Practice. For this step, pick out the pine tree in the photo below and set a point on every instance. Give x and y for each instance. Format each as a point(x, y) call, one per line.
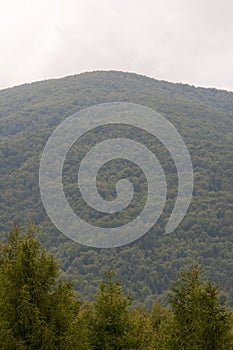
point(141, 335)
point(162, 323)
point(202, 322)
point(110, 318)
point(36, 311)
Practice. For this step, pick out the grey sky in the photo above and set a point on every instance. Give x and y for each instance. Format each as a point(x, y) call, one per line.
point(187, 41)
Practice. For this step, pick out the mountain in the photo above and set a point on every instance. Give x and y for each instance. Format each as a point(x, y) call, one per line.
point(204, 118)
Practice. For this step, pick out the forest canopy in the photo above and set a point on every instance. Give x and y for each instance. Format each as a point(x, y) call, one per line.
point(204, 118)
point(40, 311)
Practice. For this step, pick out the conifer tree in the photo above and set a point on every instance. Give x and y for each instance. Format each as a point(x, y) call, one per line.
point(162, 323)
point(202, 322)
point(110, 319)
point(36, 311)
point(141, 335)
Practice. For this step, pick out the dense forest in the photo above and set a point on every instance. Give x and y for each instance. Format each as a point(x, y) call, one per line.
point(40, 311)
point(204, 118)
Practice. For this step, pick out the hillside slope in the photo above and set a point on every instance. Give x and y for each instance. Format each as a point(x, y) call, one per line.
point(203, 117)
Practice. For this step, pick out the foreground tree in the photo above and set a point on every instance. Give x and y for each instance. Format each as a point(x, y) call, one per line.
point(36, 311)
point(113, 325)
point(201, 320)
point(110, 317)
point(141, 335)
point(162, 323)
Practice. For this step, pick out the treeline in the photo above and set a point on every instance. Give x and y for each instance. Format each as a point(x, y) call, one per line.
point(40, 311)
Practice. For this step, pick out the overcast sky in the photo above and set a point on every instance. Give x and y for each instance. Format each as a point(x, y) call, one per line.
point(187, 41)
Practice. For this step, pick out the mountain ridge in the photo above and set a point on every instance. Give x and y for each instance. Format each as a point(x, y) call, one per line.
point(204, 118)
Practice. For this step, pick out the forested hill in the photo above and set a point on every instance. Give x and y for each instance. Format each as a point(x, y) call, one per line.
point(203, 117)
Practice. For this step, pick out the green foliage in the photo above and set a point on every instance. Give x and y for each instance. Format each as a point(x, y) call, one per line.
point(116, 326)
point(141, 335)
point(36, 311)
point(110, 323)
point(201, 320)
point(162, 323)
point(28, 115)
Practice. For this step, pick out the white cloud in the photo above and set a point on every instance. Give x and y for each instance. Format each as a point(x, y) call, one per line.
point(176, 40)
